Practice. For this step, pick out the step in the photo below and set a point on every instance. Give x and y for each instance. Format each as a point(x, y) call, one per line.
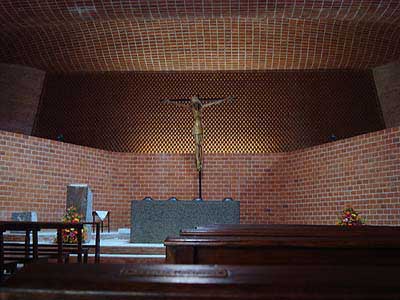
point(49, 235)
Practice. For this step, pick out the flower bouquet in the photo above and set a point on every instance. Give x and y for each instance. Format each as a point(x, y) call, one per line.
point(350, 217)
point(70, 235)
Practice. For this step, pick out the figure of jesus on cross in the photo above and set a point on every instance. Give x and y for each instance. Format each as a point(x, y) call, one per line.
point(196, 105)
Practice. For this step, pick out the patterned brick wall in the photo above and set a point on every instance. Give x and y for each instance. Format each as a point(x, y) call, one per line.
point(274, 111)
point(306, 186)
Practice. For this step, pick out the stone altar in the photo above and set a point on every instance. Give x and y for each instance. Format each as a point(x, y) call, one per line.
point(153, 220)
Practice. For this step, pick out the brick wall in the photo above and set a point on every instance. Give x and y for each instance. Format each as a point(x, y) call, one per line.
point(387, 81)
point(120, 35)
point(363, 171)
point(253, 179)
point(34, 174)
point(20, 89)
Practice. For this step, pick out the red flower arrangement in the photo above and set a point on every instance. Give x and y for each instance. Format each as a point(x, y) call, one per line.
point(350, 217)
point(70, 235)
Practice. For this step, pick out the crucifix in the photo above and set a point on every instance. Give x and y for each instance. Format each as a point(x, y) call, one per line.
point(196, 105)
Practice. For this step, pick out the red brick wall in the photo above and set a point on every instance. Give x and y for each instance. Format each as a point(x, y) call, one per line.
point(253, 179)
point(34, 174)
point(363, 171)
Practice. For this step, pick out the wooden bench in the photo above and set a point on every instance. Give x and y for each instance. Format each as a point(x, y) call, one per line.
point(112, 282)
point(28, 252)
point(17, 251)
point(256, 250)
point(284, 230)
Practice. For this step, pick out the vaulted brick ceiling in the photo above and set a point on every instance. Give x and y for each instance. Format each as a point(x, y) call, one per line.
point(148, 35)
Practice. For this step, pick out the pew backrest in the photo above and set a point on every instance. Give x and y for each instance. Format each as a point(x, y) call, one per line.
point(284, 230)
point(102, 281)
point(252, 250)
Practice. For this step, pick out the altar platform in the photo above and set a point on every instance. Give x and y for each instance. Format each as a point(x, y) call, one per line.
point(114, 247)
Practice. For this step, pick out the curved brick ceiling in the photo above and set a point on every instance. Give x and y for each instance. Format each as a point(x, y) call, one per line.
point(144, 35)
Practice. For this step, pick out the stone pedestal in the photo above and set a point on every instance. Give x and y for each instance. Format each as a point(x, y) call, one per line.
point(80, 196)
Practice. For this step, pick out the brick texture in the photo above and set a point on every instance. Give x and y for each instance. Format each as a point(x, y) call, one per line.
point(362, 172)
point(20, 90)
point(274, 111)
point(35, 172)
point(306, 186)
point(192, 35)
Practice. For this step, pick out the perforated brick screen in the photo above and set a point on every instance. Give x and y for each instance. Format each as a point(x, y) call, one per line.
point(274, 111)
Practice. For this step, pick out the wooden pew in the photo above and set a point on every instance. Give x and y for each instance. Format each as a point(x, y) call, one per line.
point(192, 282)
point(264, 250)
point(35, 227)
point(17, 251)
point(27, 252)
point(284, 230)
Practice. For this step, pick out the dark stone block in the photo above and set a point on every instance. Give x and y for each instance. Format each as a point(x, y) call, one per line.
point(80, 196)
point(152, 221)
